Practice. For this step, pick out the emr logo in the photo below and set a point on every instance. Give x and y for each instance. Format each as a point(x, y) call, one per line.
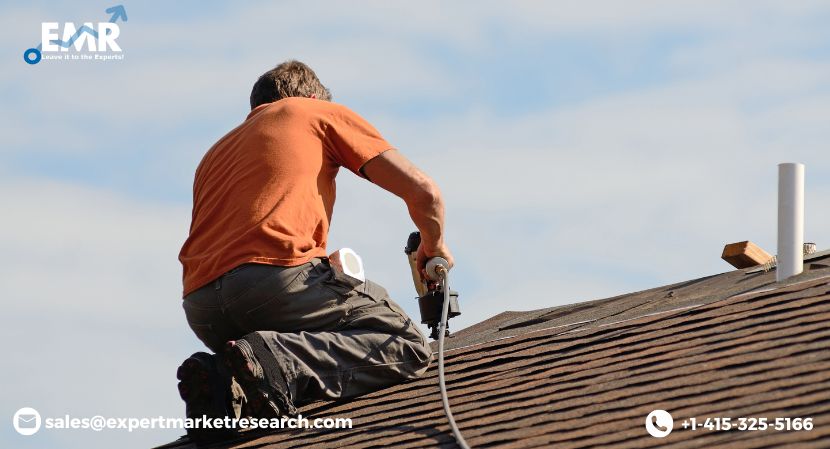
point(57, 39)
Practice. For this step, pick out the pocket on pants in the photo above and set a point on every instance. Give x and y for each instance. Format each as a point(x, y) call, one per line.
point(273, 298)
point(374, 310)
point(305, 305)
point(250, 284)
point(379, 295)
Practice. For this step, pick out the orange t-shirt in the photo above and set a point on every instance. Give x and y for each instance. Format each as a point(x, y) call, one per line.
point(264, 192)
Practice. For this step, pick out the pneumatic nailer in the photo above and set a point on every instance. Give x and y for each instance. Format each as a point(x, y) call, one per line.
point(430, 295)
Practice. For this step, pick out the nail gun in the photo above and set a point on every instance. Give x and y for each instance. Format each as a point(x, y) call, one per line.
point(430, 295)
point(438, 303)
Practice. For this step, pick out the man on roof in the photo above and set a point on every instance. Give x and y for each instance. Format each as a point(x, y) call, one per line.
point(259, 290)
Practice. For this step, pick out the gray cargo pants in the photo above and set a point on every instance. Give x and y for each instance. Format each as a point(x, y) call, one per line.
point(331, 340)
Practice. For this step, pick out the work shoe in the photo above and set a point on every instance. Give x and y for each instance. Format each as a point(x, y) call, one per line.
point(256, 370)
point(207, 393)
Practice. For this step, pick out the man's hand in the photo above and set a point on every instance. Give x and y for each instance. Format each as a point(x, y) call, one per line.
point(423, 255)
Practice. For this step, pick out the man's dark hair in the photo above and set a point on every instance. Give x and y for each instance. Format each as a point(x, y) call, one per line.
point(289, 79)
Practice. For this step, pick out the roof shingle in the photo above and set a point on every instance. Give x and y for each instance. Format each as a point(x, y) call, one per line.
point(586, 375)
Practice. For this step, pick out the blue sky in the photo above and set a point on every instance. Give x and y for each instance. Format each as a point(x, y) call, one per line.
point(585, 149)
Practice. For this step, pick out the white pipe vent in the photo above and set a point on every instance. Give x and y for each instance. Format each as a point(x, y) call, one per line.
point(790, 257)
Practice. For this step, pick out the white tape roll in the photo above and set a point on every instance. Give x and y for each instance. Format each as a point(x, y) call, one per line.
point(349, 263)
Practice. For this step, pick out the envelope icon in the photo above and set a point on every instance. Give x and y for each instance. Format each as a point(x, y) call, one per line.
point(27, 421)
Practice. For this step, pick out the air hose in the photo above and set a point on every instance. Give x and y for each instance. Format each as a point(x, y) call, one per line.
point(439, 266)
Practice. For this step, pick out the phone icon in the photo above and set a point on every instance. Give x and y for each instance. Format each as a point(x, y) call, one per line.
point(659, 423)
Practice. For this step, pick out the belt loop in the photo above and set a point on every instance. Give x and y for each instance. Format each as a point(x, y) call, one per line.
point(217, 285)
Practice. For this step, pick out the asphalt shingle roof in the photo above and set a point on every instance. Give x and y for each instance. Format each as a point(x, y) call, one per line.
point(586, 375)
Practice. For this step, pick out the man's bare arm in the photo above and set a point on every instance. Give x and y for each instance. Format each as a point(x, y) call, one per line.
point(395, 173)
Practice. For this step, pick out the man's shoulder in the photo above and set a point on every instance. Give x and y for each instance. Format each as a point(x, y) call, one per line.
point(298, 110)
point(311, 106)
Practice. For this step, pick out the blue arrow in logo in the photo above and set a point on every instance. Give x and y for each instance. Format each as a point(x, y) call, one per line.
point(33, 55)
point(118, 12)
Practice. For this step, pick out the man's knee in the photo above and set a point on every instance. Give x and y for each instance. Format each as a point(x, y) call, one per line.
point(419, 360)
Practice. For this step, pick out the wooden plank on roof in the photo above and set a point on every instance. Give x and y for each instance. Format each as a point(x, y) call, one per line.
point(745, 254)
